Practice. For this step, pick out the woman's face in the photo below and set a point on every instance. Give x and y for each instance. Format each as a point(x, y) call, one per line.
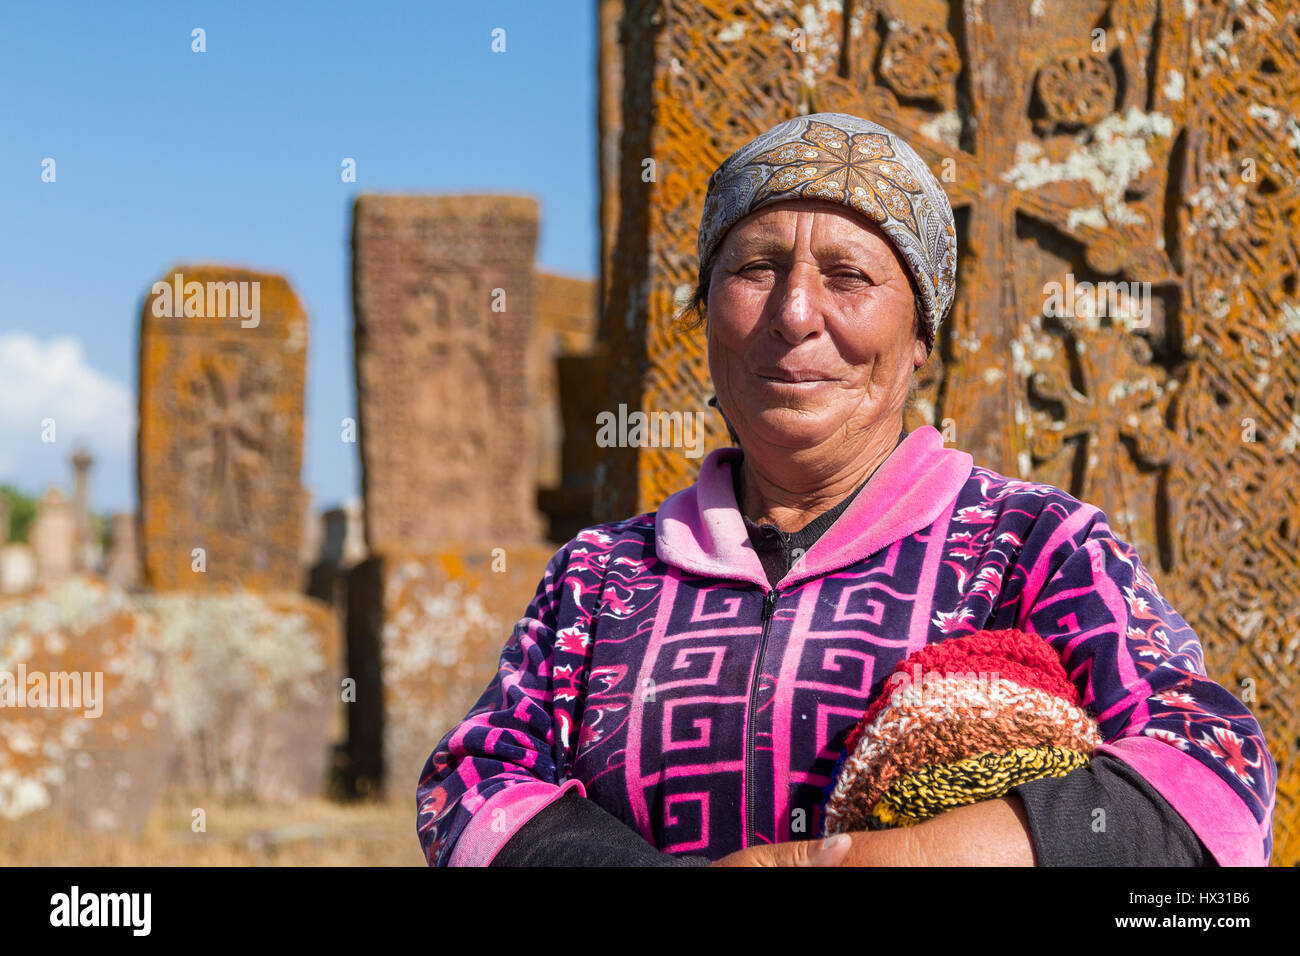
point(810, 327)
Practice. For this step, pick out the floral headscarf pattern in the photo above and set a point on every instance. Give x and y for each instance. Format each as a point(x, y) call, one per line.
point(849, 160)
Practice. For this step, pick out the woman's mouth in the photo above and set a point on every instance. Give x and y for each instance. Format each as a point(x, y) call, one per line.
point(793, 378)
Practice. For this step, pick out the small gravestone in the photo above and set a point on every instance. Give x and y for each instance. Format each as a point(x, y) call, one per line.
point(425, 636)
point(85, 733)
point(122, 566)
point(251, 684)
point(222, 369)
point(17, 568)
point(54, 537)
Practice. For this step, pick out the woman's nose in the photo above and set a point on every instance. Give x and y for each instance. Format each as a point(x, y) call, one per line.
point(798, 313)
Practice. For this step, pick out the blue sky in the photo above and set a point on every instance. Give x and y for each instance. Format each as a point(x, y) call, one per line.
point(233, 155)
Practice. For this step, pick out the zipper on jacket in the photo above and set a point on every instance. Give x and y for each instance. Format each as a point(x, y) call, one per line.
point(769, 607)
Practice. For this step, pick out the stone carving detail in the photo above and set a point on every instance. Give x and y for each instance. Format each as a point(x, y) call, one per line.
point(1233, 498)
point(1121, 402)
point(919, 62)
point(226, 426)
point(1076, 90)
point(220, 440)
point(1162, 161)
point(443, 289)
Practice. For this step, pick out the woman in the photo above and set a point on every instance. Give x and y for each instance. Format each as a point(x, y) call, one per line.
point(683, 682)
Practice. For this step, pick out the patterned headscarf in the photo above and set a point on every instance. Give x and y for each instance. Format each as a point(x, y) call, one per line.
point(852, 161)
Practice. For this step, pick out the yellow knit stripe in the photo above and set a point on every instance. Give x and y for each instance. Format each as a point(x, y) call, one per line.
point(936, 788)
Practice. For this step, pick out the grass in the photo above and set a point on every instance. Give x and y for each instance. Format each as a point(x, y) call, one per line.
point(314, 832)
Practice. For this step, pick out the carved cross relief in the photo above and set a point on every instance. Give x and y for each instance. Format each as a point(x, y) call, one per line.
point(1055, 128)
point(226, 414)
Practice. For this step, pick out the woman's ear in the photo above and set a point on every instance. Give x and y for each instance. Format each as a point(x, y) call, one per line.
point(920, 355)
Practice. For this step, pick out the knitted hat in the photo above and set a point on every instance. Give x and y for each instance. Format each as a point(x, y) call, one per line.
point(959, 722)
point(852, 161)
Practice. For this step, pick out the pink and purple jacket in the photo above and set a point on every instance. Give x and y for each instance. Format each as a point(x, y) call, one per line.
point(659, 674)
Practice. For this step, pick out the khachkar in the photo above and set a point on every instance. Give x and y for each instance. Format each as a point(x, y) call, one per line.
point(222, 370)
point(222, 373)
point(1147, 145)
point(443, 301)
point(221, 678)
point(443, 290)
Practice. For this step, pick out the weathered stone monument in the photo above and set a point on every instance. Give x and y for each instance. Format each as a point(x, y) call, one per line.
point(222, 371)
point(88, 550)
point(566, 325)
point(444, 314)
point(569, 395)
point(231, 696)
point(425, 635)
point(570, 503)
point(446, 339)
point(17, 568)
point(54, 537)
point(249, 665)
point(344, 534)
point(122, 566)
point(251, 683)
point(221, 677)
point(85, 716)
point(340, 541)
point(310, 544)
point(1095, 141)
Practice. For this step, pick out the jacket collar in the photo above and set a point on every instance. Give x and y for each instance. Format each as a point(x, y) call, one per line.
point(700, 529)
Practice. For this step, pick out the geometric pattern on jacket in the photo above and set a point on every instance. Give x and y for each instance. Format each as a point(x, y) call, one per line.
point(658, 673)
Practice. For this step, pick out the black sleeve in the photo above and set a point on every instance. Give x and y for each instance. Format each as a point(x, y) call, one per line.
point(575, 831)
point(1138, 828)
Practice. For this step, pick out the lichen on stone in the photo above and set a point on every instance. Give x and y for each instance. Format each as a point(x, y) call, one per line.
point(1110, 158)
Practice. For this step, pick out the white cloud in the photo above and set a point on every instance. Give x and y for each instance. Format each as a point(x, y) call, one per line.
point(53, 380)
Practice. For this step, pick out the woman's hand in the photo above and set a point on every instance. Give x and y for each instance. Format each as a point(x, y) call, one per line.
point(828, 852)
point(989, 833)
